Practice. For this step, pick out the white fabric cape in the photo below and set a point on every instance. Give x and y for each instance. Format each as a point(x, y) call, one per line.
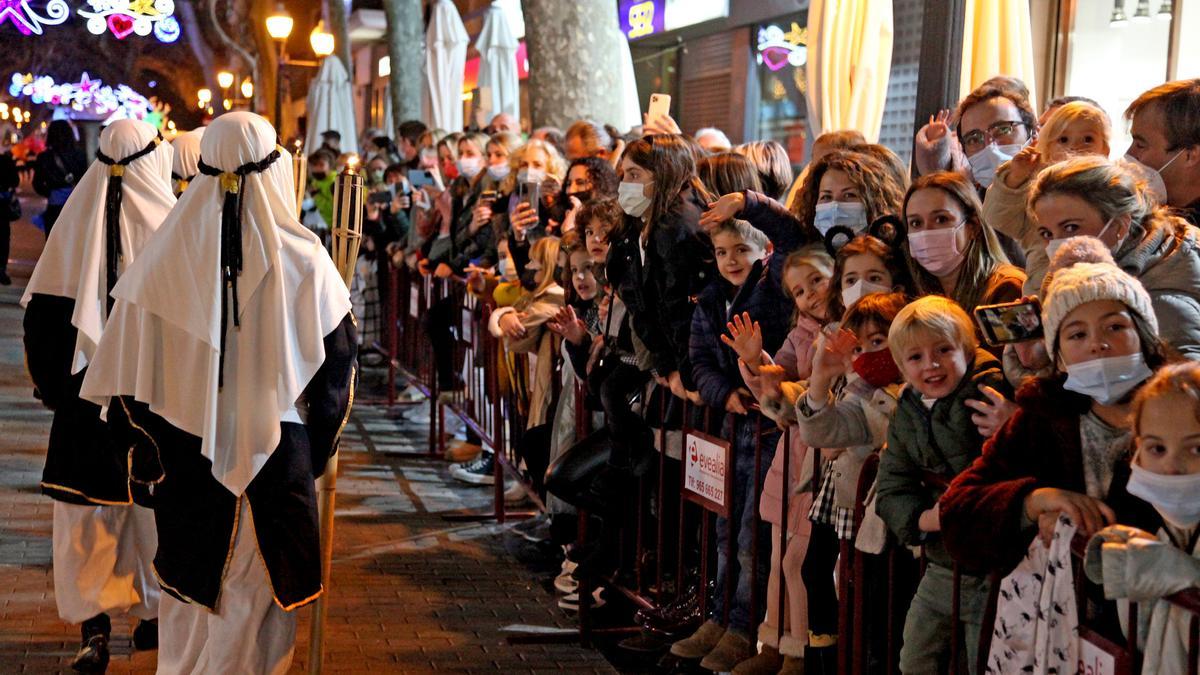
point(331, 106)
point(187, 153)
point(73, 262)
point(445, 58)
point(163, 346)
point(498, 85)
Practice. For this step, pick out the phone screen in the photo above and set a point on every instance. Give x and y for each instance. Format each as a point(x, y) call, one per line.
point(1010, 322)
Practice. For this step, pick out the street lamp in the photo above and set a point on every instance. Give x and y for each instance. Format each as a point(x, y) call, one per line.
point(322, 42)
point(247, 88)
point(279, 27)
point(225, 79)
point(204, 97)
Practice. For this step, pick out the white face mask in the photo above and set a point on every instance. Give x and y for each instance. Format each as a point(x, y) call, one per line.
point(1156, 188)
point(499, 171)
point(985, 162)
point(1053, 245)
point(1107, 380)
point(632, 198)
point(845, 214)
point(531, 175)
point(937, 250)
point(1174, 497)
point(470, 166)
point(855, 291)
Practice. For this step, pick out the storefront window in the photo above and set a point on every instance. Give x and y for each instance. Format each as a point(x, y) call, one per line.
point(781, 51)
point(1114, 62)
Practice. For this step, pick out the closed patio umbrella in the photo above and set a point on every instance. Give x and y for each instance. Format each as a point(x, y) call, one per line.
point(498, 86)
point(331, 106)
point(445, 55)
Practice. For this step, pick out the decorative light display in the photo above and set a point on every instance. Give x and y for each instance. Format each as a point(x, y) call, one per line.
point(777, 49)
point(85, 96)
point(30, 22)
point(139, 17)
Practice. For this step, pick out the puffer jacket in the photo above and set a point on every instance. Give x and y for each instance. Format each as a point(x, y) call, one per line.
point(928, 447)
point(1164, 254)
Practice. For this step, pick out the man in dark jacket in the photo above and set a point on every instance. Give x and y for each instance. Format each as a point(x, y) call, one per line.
point(1166, 141)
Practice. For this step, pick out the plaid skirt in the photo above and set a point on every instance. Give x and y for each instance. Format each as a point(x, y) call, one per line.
point(825, 512)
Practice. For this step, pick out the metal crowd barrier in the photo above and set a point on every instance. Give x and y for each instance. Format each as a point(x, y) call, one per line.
point(493, 404)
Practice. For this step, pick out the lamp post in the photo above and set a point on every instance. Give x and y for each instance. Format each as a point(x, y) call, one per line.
point(279, 27)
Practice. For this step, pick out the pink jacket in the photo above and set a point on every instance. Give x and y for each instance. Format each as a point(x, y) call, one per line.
point(795, 355)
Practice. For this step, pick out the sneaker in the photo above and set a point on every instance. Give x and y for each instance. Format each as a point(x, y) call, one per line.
point(410, 395)
point(729, 652)
point(534, 529)
point(701, 642)
point(478, 472)
point(566, 584)
point(570, 602)
point(516, 494)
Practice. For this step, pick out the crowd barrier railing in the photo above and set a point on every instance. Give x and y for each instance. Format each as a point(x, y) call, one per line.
point(492, 403)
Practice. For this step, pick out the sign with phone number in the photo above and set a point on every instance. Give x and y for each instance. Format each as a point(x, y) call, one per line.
point(708, 473)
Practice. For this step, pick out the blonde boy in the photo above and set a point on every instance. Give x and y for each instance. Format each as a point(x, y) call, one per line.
point(931, 439)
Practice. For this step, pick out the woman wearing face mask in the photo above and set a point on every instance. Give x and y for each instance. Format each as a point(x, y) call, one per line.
point(1066, 449)
point(842, 189)
point(587, 178)
point(1166, 473)
point(657, 265)
point(1094, 197)
point(951, 251)
point(535, 163)
point(1075, 129)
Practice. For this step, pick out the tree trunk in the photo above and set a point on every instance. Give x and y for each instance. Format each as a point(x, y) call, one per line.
point(574, 62)
point(405, 40)
point(340, 27)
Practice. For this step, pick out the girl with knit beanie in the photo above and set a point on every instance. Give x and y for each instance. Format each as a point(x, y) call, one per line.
point(1066, 449)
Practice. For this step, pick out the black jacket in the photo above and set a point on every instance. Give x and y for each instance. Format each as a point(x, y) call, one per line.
point(48, 175)
point(661, 293)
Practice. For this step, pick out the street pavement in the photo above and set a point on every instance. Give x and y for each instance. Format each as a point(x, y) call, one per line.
point(412, 591)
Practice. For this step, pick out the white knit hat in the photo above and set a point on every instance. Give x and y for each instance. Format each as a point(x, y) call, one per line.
point(1086, 282)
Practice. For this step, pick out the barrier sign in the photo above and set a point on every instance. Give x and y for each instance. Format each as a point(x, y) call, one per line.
point(708, 473)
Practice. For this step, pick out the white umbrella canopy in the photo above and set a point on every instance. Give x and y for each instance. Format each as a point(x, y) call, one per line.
point(331, 106)
point(445, 57)
point(631, 107)
point(498, 87)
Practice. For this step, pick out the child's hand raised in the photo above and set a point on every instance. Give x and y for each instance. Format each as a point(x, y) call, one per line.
point(567, 324)
point(745, 338)
point(1022, 166)
point(728, 206)
point(831, 353)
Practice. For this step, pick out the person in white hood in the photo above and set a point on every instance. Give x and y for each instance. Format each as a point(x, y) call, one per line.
point(103, 539)
point(229, 361)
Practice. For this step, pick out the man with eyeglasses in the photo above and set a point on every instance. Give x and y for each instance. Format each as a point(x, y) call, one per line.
point(1165, 125)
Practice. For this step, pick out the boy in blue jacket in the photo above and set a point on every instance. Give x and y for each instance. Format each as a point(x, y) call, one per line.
point(750, 282)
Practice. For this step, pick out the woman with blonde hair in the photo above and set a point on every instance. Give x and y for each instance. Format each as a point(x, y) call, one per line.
point(1075, 129)
point(1095, 197)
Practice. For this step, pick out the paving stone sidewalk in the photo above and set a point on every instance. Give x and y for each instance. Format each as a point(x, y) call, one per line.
point(412, 591)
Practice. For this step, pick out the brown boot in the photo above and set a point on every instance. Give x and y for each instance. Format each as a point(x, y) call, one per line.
point(766, 662)
point(792, 665)
point(700, 643)
point(730, 651)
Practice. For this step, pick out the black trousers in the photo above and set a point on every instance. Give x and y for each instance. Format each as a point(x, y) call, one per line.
point(5, 237)
point(632, 439)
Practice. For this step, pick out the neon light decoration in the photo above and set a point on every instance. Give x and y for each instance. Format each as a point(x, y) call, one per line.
point(777, 49)
point(87, 96)
point(30, 22)
point(139, 17)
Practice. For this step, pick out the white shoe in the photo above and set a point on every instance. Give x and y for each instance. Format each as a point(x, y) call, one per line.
point(477, 472)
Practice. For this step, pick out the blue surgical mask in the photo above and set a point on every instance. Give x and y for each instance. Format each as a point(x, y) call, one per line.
point(985, 162)
point(840, 214)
